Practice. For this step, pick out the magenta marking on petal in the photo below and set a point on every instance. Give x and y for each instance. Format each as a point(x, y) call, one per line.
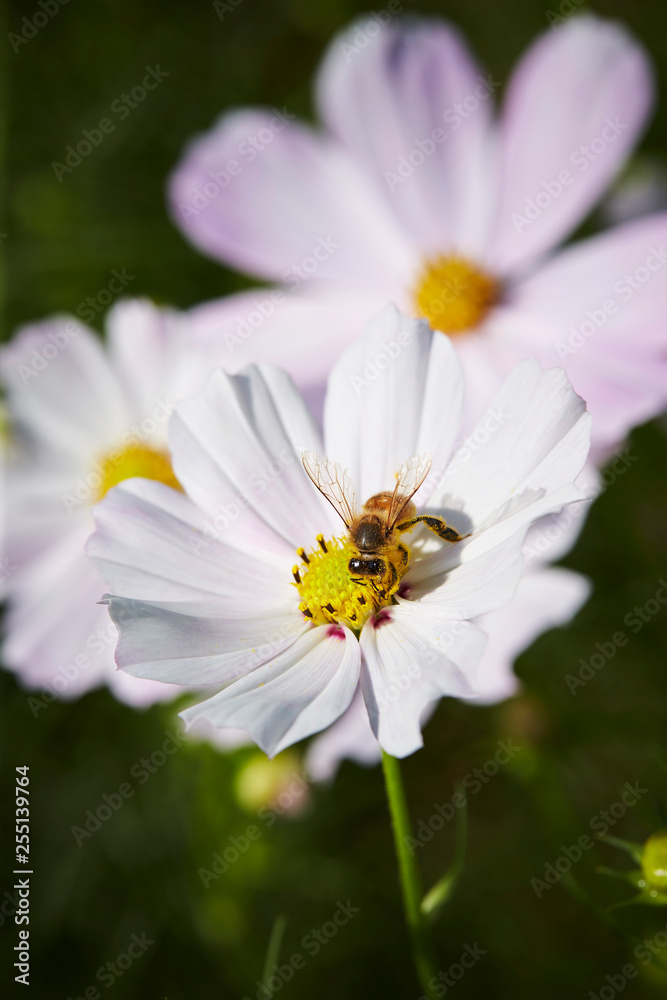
point(404, 590)
point(335, 632)
point(383, 617)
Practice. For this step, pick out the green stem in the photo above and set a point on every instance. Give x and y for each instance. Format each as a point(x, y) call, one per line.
point(422, 950)
point(273, 949)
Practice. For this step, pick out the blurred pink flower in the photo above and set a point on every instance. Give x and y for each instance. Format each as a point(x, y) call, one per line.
point(416, 193)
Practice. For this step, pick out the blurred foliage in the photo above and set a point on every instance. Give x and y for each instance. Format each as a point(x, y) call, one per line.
point(141, 871)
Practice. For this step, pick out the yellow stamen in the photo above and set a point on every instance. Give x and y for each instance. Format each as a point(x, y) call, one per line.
point(329, 595)
point(454, 295)
point(136, 460)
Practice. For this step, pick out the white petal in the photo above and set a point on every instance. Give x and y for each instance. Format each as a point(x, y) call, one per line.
point(63, 390)
point(395, 393)
point(152, 543)
point(236, 449)
point(532, 444)
point(303, 331)
point(193, 644)
point(299, 693)
point(350, 736)
point(544, 599)
point(157, 361)
point(469, 582)
point(414, 657)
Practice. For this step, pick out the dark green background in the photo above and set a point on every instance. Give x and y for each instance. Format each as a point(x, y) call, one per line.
point(139, 872)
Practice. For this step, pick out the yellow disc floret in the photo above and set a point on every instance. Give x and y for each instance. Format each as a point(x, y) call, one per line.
point(453, 294)
point(329, 593)
point(135, 460)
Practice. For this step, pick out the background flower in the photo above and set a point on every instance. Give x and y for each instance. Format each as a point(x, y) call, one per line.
point(415, 194)
point(83, 417)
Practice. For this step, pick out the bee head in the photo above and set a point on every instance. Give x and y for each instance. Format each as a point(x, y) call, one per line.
point(366, 567)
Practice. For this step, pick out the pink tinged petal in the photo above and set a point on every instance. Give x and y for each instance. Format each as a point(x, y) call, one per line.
point(295, 208)
point(58, 639)
point(62, 388)
point(603, 303)
point(396, 392)
point(156, 359)
point(575, 108)
point(414, 657)
point(350, 737)
point(533, 443)
point(300, 692)
point(303, 333)
point(193, 644)
point(415, 108)
point(150, 544)
point(236, 449)
point(544, 599)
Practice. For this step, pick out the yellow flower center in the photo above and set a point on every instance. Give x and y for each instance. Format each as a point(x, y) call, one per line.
point(454, 295)
point(135, 460)
point(329, 594)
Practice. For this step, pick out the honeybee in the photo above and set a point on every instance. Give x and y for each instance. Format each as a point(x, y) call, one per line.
point(380, 559)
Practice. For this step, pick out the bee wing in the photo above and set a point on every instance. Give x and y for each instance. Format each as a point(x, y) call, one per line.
point(410, 476)
point(333, 482)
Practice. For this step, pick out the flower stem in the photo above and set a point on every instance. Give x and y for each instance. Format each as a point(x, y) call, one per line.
point(411, 886)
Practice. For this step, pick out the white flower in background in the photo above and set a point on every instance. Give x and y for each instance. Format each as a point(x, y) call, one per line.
point(84, 416)
point(205, 590)
point(416, 192)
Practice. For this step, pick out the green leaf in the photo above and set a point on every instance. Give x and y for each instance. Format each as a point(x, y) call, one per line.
point(439, 895)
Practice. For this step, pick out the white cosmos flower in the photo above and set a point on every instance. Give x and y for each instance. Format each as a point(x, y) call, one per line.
point(84, 416)
point(204, 580)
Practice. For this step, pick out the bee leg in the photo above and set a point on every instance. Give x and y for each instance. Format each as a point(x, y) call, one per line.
point(437, 524)
point(405, 556)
